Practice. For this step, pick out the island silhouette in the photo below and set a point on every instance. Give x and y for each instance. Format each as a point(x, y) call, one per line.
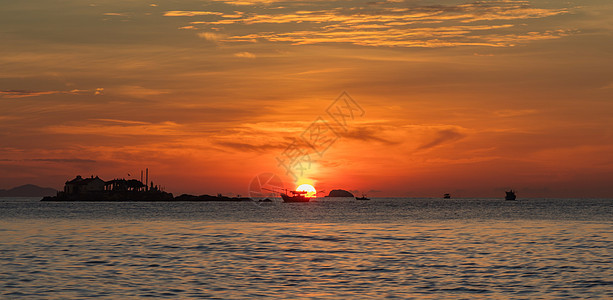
point(340, 193)
point(27, 190)
point(120, 189)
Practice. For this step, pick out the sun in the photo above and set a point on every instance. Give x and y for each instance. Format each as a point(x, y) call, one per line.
point(311, 192)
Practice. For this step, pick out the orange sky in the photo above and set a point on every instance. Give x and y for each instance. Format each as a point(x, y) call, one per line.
point(467, 98)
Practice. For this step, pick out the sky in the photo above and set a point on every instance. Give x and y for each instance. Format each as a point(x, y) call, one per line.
point(410, 98)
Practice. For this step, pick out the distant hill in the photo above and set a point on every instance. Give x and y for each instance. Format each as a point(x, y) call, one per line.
point(28, 190)
point(339, 193)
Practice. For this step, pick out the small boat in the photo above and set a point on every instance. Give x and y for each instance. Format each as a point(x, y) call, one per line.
point(446, 196)
point(362, 198)
point(297, 196)
point(510, 195)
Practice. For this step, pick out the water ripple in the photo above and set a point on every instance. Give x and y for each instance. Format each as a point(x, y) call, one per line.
point(234, 258)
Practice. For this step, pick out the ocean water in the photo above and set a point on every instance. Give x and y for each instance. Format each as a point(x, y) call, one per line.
point(329, 249)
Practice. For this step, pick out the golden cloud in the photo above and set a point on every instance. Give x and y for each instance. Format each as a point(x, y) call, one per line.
point(245, 55)
point(385, 24)
point(119, 128)
point(189, 13)
point(247, 2)
point(24, 93)
point(211, 36)
point(136, 91)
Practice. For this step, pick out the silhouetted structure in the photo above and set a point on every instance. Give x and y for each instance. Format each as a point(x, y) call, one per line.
point(81, 185)
point(510, 195)
point(96, 189)
point(118, 185)
point(119, 189)
point(446, 196)
point(362, 198)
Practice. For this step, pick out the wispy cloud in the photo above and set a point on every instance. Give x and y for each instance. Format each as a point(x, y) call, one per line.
point(115, 14)
point(608, 86)
point(134, 91)
point(243, 146)
point(507, 113)
point(189, 13)
point(211, 36)
point(248, 2)
point(26, 93)
point(111, 127)
point(391, 25)
point(63, 160)
point(442, 136)
point(370, 133)
point(245, 55)
point(69, 160)
point(122, 121)
point(416, 37)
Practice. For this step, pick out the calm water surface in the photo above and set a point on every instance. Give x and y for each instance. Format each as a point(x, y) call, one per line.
point(329, 249)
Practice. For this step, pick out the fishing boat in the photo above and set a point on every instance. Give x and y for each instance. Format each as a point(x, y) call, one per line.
point(362, 198)
point(446, 196)
point(510, 195)
point(297, 196)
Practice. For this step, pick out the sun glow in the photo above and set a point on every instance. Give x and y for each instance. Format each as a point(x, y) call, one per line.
point(311, 192)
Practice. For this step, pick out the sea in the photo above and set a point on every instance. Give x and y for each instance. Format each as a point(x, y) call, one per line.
point(330, 248)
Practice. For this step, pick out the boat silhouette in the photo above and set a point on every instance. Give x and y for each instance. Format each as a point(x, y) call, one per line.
point(297, 196)
point(510, 195)
point(446, 196)
point(362, 198)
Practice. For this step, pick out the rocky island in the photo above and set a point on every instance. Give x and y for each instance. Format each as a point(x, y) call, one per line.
point(340, 193)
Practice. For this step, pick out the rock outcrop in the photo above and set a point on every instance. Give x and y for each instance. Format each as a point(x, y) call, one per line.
point(339, 193)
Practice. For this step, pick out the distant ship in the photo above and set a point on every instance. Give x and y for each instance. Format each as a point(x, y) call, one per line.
point(510, 195)
point(446, 196)
point(297, 196)
point(362, 198)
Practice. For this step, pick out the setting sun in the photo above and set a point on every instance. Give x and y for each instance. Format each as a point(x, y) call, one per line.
point(311, 192)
